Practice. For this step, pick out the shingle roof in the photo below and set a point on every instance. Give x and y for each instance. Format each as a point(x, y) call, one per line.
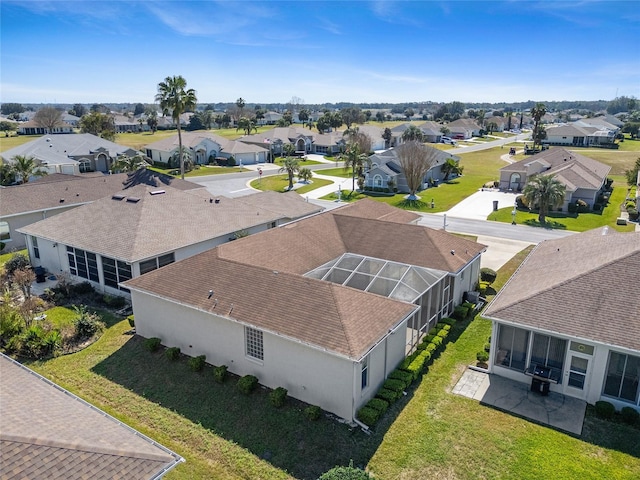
point(49, 433)
point(152, 225)
point(580, 286)
point(191, 139)
point(289, 205)
point(78, 190)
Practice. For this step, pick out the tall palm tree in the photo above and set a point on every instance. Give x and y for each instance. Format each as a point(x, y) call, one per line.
point(355, 160)
point(412, 133)
point(546, 192)
point(537, 113)
point(27, 167)
point(291, 166)
point(125, 163)
point(175, 99)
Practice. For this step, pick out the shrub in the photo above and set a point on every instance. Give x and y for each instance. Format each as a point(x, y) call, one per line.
point(421, 346)
point(437, 341)
point(197, 363)
point(403, 376)
point(86, 324)
point(278, 396)
point(36, 342)
point(220, 373)
point(18, 261)
point(82, 288)
point(378, 404)
point(449, 321)
point(487, 347)
point(132, 322)
point(431, 348)
point(368, 416)
point(345, 473)
point(152, 344)
point(460, 312)
point(433, 331)
point(633, 214)
point(313, 412)
point(405, 363)
point(443, 326)
point(488, 275)
point(172, 353)
point(388, 395)
point(470, 306)
point(443, 333)
point(605, 409)
point(417, 366)
point(482, 356)
point(247, 384)
point(113, 301)
point(630, 415)
point(393, 384)
point(429, 338)
point(231, 161)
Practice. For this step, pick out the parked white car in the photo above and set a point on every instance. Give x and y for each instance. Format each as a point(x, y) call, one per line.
point(448, 140)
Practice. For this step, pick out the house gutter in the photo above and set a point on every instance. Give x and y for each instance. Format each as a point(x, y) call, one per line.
point(47, 209)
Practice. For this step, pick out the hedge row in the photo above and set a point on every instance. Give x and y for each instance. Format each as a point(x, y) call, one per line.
point(407, 372)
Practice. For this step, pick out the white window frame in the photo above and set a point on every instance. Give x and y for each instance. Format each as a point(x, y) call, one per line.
point(254, 344)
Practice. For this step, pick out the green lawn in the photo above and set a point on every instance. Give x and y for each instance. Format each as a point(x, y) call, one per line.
point(5, 257)
point(199, 172)
point(571, 221)
point(303, 163)
point(430, 433)
point(61, 317)
point(7, 143)
point(278, 183)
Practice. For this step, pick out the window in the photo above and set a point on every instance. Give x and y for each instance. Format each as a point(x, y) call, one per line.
point(5, 232)
point(512, 347)
point(36, 250)
point(115, 271)
point(377, 180)
point(623, 377)
point(549, 352)
point(254, 345)
point(364, 373)
point(83, 264)
point(155, 263)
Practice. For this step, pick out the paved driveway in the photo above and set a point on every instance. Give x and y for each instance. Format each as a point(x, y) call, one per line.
point(479, 205)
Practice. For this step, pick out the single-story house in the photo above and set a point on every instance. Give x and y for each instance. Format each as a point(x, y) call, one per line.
point(71, 154)
point(463, 128)
point(124, 123)
point(608, 122)
point(142, 228)
point(327, 310)
point(385, 167)
point(375, 134)
point(205, 147)
point(579, 135)
point(33, 128)
point(430, 131)
point(582, 176)
point(47, 432)
point(303, 140)
point(22, 205)
point(571, 312)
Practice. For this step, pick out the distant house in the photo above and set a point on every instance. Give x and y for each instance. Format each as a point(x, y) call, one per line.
point(463, 129)
point(385, 170)
point(48, 432)
point(582, 176)
point(302, 139)
point(33, 128)
point(577, 135)
point(22, 205)
point(569, 313)
point(71, 154)
point(205, 147)
point(327, 312)
point(143, 228)
point(124, 124)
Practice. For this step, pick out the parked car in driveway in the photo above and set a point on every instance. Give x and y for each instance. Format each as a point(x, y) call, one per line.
point(447, 140)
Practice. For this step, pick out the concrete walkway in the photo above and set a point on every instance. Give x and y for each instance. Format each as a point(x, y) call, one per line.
point(555, 410)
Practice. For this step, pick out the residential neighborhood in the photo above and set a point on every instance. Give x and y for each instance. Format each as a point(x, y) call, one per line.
point(427, 267)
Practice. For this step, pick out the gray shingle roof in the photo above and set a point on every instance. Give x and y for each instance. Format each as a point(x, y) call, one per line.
point(49, 433)
point(581, 286)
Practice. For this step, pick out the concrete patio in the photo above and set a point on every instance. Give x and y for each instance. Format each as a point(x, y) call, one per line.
point(555, 410)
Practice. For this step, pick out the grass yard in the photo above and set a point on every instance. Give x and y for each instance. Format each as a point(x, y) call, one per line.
point(7, 143)
point(5, 257)
point(278, 183)
point(202, 171)
point(569, 221)
point(430, 433)
point(61, 317)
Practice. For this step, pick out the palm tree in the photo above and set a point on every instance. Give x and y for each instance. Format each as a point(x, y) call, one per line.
point(291, 166)
point(183, 156)
point(27, 167)
point(7, 174)
point(125, 163)
point(305, 174)
point(173, 98)
point(355, 159)
point(240, 103)
point(449, 167)
point(412, 133)
point(544, 191)
point(152, 120)
point(537, 113)
point(247, 125)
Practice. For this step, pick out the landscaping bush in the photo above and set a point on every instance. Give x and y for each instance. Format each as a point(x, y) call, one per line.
point(378, 404)
point(431, 348)
point(630, 415)
point(421, 346)
point(38, 343)
point(388, 395)
point(197, 363)
point(633, 214)
point(172, 353)
point(152, 344)
point(482, 356)
point(437, 341)
point(18, 261)
point(345, 473)
point(220, 373)
point(86, 324)
point(82, 288)
point(405, 363)
point(488, 275)
point(393, 384)
point(433, 331)
point(429, 338)
point(368, 416)
point(442, 334)
point(416, 367)
point(487, 347)
point(443, 326)
point(231, 161)
point(313, 412)
point(113, 301)
point(460, 312)
point(278, 396)
point(449, 321)
point(132, 322)
point(247, 384)
point(403, 376)
point(470, 306)
point(605, 409)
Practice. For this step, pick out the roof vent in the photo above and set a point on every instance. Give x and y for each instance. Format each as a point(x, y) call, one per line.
point(133, 199)
point(62, 200)
point(453, 252)
point(117, 197)
point(157, 192)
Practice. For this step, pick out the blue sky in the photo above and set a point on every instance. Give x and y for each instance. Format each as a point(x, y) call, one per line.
point(340, 51)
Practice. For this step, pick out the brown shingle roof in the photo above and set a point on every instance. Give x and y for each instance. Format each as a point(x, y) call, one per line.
point(367, 208)
point(313, 312)
point(579, 286)
point(77, 190)
point(49, 433)
point(288, 205)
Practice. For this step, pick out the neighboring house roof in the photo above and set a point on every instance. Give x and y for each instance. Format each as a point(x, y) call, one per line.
point(573, 169)
point(48, 433)
point(367, 208)
point(600, 122)
point(291, 134)
point(61, 191)
point(287, 205)
point(390, 158)
point(142, 223)
point(284, 301)
point(193, 139)
point(572, 130)
point(464, 123)
point(34, 124)
point(56, 149)
point(579, 286)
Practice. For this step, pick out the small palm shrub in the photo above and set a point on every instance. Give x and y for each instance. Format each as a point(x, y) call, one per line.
point(86, 324)
point(197, 363)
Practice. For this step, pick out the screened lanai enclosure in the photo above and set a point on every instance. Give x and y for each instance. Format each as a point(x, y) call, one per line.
point(431, 289)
